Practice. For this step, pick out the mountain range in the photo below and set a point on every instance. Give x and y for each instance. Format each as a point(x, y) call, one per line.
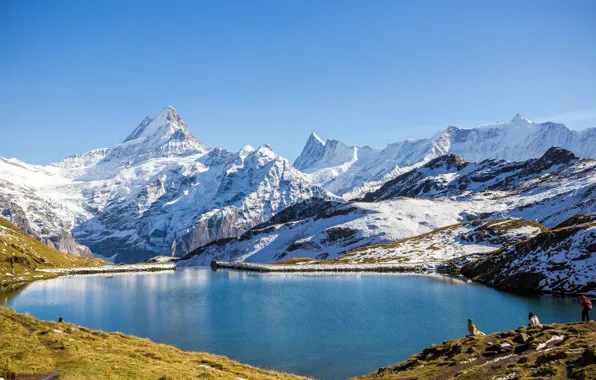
point(351, 171)
point(445, 191)
point(163, 192)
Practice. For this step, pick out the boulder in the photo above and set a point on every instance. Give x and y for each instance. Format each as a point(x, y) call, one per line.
point(521, 338)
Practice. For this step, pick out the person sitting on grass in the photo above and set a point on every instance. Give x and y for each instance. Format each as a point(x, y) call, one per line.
point(533, 320)
point(473, 330)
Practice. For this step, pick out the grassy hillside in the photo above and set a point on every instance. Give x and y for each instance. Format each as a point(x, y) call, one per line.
point(517, 354)
point(30, 348)
point(21, 254)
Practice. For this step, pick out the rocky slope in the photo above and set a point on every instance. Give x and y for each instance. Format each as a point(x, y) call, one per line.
point(557, 351)
point(160, 192)
point(351, 171)
point(561, 260)
point(21, 255)
point(445, 191)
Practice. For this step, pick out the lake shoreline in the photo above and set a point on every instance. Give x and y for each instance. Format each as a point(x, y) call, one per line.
point(558, 350)
point(52, 273)
point(376, 267)
point(500, 353)
point(140, 267)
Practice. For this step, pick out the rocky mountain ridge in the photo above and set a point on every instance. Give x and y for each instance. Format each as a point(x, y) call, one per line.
point(21, 255)
point(352, 171)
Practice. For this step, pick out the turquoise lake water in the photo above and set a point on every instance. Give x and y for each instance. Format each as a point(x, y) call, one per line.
point(330, 326)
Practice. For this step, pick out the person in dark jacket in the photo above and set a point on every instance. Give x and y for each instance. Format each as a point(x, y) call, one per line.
point(586, 305)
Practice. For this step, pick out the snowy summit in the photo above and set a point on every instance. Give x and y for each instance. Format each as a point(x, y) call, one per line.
point(160, 192)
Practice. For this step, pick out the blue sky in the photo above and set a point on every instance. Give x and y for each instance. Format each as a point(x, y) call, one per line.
point(79, 75)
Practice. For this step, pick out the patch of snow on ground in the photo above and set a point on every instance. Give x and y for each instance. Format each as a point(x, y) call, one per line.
point(555, 338)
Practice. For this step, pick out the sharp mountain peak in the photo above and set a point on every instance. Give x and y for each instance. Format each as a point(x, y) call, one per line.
point(167, 122)
point(520, 119)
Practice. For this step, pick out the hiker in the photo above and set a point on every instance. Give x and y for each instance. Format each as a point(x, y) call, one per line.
point(473, 330)
point(533, 320)
point(60, 320)
point(586, 305)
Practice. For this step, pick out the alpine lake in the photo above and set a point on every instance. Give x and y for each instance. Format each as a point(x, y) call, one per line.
point(324, 325)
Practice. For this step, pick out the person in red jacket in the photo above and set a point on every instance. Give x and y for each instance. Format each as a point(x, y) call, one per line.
point(586, 305)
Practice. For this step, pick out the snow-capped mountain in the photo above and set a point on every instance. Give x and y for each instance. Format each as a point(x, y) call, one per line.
point(445, 191)
point(351, 171)
point(163, 192)
point(159, 192)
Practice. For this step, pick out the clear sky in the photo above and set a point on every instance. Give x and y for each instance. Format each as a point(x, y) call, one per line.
point(78, 75)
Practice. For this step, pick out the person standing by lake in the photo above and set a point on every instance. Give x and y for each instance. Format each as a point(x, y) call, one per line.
point(586, 305)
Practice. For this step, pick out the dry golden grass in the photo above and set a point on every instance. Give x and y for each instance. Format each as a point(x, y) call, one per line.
point(30, 348)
